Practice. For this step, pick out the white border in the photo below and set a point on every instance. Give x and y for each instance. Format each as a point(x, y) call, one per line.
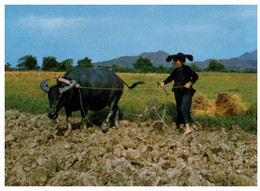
point(103, 2)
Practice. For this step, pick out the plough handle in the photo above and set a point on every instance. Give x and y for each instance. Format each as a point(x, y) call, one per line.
point(163, 88)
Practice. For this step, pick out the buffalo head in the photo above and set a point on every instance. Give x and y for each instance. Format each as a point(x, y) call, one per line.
point(58, 95)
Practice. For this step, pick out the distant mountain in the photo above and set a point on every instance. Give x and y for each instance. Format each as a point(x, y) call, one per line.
point(157, 58)
point(248, 56)
point(231, 64)
point(247, 61)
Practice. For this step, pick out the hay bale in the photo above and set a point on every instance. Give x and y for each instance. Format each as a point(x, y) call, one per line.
point(228, 105)
point(202, 106)
point(200, 102)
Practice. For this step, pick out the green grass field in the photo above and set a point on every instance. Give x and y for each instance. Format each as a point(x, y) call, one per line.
point(23, 92)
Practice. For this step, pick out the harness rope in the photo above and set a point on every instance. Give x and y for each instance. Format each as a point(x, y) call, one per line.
point(57, 102)
point(84, 109)
point(96, 88)
point(59, 78)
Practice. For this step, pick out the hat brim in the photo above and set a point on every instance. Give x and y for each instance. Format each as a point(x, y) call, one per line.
point(179, 56)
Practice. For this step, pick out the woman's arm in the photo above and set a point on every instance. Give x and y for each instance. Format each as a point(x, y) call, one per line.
point(170, 78)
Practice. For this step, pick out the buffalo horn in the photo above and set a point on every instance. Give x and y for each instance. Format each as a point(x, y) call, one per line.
point(44, 87)
point(68, 87)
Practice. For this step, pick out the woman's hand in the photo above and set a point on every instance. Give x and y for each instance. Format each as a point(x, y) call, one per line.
point(162, 85)
point(187, 85)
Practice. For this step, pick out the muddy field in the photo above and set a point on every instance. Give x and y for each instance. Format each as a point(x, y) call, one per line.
point(38, 152)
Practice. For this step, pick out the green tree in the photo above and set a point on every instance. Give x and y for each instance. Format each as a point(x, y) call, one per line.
point(27, 62)
point(143, 65)
point(215, 67)
point(65, 65)
point(160, 69)
point(50, 63)
point(86, 62)
point(195, 68)
point(115, 68)
point(8, 67)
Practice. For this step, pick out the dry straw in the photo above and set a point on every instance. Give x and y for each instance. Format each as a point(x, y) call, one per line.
point(226, 105)
point(202, 106)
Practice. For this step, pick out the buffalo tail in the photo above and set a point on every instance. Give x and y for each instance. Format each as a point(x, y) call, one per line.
point(132, 86)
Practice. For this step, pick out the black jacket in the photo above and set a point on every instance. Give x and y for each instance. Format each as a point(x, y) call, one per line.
point(190, 76)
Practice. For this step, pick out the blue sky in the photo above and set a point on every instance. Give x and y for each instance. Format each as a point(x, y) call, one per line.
point(105, 32)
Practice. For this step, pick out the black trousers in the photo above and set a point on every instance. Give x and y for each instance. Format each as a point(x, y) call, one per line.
point(183, 103)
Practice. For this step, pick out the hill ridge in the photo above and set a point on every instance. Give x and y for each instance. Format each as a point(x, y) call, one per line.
point(246, 61)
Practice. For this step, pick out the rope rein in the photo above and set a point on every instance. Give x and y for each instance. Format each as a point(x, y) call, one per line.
point(59, 78)
point(96, 88)
point(58, 102)
point(84, 109)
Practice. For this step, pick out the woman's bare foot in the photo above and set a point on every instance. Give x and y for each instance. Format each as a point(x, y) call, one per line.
point(187, 131)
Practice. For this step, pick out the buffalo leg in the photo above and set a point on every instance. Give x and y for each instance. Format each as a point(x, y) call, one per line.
point(84, 122)
point(117, 118)
point(68, 119)
point(113, 108)
point(84, 119)
point(104, 126)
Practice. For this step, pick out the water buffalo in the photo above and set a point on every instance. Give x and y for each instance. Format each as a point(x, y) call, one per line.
point(99, 88)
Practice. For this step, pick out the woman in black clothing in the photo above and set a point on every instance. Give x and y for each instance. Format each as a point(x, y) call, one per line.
point(184, 77)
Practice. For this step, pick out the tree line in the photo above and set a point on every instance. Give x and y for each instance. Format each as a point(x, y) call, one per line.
point(49, 63)
point(142, 65)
